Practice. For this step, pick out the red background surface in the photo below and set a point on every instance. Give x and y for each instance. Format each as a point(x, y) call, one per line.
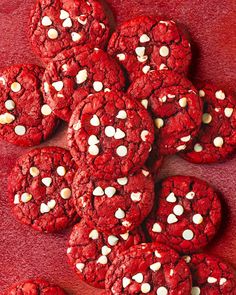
point(25, 253)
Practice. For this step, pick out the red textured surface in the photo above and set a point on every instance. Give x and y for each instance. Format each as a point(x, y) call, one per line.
point(25, 253)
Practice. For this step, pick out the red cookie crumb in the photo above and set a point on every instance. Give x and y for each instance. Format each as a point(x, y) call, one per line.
point(211, 276)
point(25, 119)
point(144, 43)
point(91, 252)
point(188, 214)
point(76, 73)
point(114, 206)
point(61, 24)
point(216, 140)
point(153, 269)
point(40, 189)
point(35, 287)
point(110, 134)
point(175, 107)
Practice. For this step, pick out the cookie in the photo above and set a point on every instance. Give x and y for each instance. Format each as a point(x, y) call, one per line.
point(216, 140)
point(110, 134)
point(188, 214)
point(61, 24)
point(211, 276)
point(35, 287)
point(153, 269)
point(25, 119)
point(76, 73)
point(91, 252)
point(40, 189)
point(114, 206)
point(175, 107)
point(144, 43)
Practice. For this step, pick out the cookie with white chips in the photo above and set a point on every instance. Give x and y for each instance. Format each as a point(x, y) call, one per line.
point(114, 206)
point(25, 118)
point(91, 252)
point(187, 214)
point(40, 191)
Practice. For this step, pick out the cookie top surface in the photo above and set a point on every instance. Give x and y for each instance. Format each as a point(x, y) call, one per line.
point(144, 43)
point(153, 269)
point(174, 105)
point(35, 287)
point(110, 134)
point(211, 275)
point(91, 252)
point(217, 137)
point(76, 73)
point(25, 119)
point(187, 215)
point(114, 206)
point(40, 189)
point(60, 24)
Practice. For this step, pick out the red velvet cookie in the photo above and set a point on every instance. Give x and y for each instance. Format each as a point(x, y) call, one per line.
point(175, 107)
point(144, 43)
point(91, 252)
point(188, 214)
point(110, 134)
point(217, 137)
point(76, 73)
point(40, 189)
point(153, 269)
point(25, 119)
point(35, 287)
point(60, 24)
point(114, 206)
point(211, 276)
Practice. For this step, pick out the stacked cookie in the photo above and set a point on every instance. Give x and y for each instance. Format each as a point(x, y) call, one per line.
point(126, 109)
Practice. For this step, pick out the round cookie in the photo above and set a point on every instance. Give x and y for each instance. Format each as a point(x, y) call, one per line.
point(35, 287)
point(188, 214)
point(211, 276)
point(40, 189)
point(114, 206)
point(144, 43)
point(110, 134)
point(76, 73)
point(91, 252)
point(175, 107)
point(61, 24)
point(216, 140)
point(153, 269)
point(25, 119)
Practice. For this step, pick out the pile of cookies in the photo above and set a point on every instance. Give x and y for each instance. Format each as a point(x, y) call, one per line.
point(127, 108)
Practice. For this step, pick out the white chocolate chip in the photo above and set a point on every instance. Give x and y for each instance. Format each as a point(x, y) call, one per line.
point(6, 118)
point(197, 218)
point(15, 87)
point(190, 195)
point(145, 172)
point(163, 67)
point(172, 219)
point(188, 235)
point(121, 56)
point(92, 140)
point(121, 151)
point(102, 260)
point(156, 228)
point(218, 141)
point(211, 280)
point(82, 19)
point(80, 266)
point(222, 281)
point(138, 278)
point(187, 259)
point(120, 214)
point(98, 191)
point(58, 85)
point(144, 102)
point(140, 51)
point(112, 240)
point(34, 171)
point(67, 23)
point(181, 147)
point(155, 266)
point(82, 76)
point(44, 208)
point(171, 95)
point(136, 197)
point(94, 234)
point(217, 110)
point(110, 131)
point(46, 87)
point(65, 193)
point(20, 130)
point(46, 110)
point(201, 93)
point(125, 236)
point(157, 254)
point(122, 115)
point(145, 288)
point(95, 121)
point(110, 191)
point(75, 36)
point(64, 14)
point(185, 138)
point(146, 69)
point(61, 171)
point(10, 105)
point(106, 250)
point(125, 282)
point(16, 199)
point(171, 272)
point(159, 123)
point(164, 51)
point(163, 98)
point(164, 22)
point(178, 210)
point(183, 102)
point(93, 150)
point(77, 126)
point(195, 291)
point(220, 95)
point(119, 134)
point(144, 38)
point(206, 118)
point(142, 58)
point(25, 197)
point(51, 204)
point(46, 21)
point(52, 34)
point(122, 181)
point(228, 112)
point(162, 291)
point(102, 25)
point(198, 148)
point(144, 135)
point(97, 86)
point(171, 198)
point(107, 90)
point(47, 181)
